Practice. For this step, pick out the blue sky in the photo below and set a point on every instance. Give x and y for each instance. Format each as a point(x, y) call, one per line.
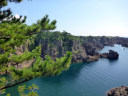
point(79, 17)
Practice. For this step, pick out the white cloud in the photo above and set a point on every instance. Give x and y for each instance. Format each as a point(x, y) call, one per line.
point(17, 16)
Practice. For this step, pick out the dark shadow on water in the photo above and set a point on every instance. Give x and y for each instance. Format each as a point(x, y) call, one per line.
point(111, 62)
point(72, 73)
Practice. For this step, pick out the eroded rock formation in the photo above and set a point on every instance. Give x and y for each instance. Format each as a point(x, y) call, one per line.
point(110, 55)
point(119, 91)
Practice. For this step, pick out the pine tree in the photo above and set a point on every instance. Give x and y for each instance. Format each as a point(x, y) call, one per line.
point(13, 33)
point(6, 15)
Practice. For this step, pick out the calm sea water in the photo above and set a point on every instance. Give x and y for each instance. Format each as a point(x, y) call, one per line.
point(85, 79)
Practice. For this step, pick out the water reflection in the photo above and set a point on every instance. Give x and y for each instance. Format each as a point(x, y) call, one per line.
point(111, 62)
point(70, 74)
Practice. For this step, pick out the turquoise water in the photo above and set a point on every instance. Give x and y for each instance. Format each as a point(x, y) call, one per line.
point(85, 79)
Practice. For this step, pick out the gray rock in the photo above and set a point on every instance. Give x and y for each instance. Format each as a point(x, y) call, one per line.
point(119, 91)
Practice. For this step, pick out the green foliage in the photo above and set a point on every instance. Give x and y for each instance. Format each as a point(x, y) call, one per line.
point(2, 84)
point(32, 90)
point(15, 59)
point(27, 74)
point(4, 58)
point(15, 34)
point(37, 51)
point(5, 2)
point(8, 94)
point(48, 67)
point(27, 55)
point(33, 87)
point(45, 24)
point(4, 68)
point(20, 58)
point(16, 74)
point(21, 90)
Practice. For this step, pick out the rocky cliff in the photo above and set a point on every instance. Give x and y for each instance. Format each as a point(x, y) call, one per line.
point(56, 44)
point(84, 49)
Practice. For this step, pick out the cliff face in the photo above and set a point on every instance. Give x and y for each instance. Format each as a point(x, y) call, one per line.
point(100, 42)
point(82, 52)
point(56, 44)
point(84, 49)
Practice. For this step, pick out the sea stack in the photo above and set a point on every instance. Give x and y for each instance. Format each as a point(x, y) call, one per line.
point(113, 55)
point(110, 55)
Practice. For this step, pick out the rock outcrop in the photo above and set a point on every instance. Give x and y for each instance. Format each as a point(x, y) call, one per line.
point(113, 55)
point(82, 52)
point(119, 91)
point(84, 49)
point(110, 55)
